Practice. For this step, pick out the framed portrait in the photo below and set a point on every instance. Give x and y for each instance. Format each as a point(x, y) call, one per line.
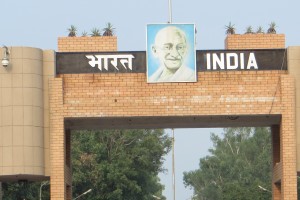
point(171, 55)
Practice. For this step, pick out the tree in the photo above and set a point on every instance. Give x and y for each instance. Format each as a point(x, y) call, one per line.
point(115, 164)
point(108, 30)
point(230, 29)
point(95, 32)
point(24, 190)
point(260, 30)
point(272, 28)
point(240, 161)
point(72, 31)
point(118, 164)
point(249, 30)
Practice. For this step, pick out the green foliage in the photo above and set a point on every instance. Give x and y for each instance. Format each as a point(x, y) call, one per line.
point(118, 164)
point(24, 190)
point(239, 162)
point(272, 28)
point(249, 30)
point(108, 30)
point(72, 31)
point(115, 164)
point(230, 29)
point(95, 32)
point(260, 30)
point(84, 34)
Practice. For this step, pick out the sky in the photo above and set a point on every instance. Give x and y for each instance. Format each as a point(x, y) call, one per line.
point(37, 23)
point(190, 145)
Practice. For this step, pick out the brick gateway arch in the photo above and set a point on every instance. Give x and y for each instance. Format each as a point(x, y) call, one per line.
point(125, 100)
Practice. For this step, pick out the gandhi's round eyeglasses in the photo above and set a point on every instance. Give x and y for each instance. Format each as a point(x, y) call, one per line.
point(169, 47)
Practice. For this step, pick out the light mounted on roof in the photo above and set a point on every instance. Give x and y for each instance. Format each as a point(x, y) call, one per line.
point(5, 59)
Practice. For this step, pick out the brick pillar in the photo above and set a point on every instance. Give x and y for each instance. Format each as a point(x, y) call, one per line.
point(287, 139)
point(57, 140)
point(60, 146)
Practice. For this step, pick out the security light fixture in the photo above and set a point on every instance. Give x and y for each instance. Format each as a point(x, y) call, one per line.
point(156, 197)
point(5, 59)
point(264, 189)
point(83, 194)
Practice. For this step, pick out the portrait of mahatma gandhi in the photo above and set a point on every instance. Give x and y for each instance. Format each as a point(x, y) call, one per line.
point(170, 48)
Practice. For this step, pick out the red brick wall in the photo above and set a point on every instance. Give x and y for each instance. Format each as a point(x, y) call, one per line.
point(85, 44)
point(255, 41)
point(288, 139)
point(239, 92)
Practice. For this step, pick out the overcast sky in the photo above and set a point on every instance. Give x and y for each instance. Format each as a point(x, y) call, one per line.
point(37, 23)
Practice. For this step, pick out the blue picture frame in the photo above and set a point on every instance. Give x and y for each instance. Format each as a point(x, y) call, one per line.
point(161, 39)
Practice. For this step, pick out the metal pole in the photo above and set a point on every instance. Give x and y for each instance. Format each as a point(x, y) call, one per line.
point(170, 11)
point(42, 184)
point(173, 164)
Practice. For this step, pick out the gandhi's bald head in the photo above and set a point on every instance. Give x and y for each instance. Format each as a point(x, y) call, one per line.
point(170, 47)
point(169, 32)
